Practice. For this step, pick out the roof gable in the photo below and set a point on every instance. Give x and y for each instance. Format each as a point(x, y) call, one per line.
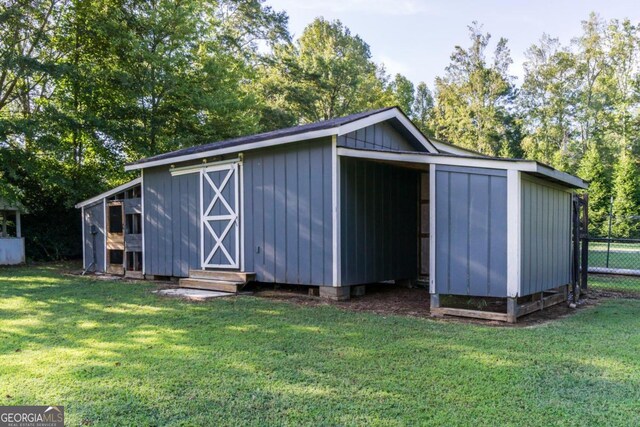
point(338, 126)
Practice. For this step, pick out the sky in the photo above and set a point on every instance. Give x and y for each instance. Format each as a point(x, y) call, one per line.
point(417, 37)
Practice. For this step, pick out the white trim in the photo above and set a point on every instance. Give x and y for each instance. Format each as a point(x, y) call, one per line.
point(111, 192)
point(106, 231)
point(417, 134)
point(241, 190)
point(201, 222)
point(335, 211)
point(185, 170)
point(333, 131)
point(235, 149)
point(446, 148)
point(233, 223)
point(514, 243)
point(432, 229)
point(144, 264)
point(367, 121)
point(18, 224)
point(84, 242)
point(386, 115)
point(529, 166)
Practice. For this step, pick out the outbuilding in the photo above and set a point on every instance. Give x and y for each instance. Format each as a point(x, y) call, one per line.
point(12, 250)
point(336, 204)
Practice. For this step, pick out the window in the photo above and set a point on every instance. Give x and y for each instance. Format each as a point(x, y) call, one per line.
point(116, 256)
point(115, 219)
point(134, 223)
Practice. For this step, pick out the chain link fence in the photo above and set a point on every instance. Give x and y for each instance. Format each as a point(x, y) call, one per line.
point(614, 264)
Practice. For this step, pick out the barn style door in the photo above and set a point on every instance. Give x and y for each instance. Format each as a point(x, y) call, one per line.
point(220, 223)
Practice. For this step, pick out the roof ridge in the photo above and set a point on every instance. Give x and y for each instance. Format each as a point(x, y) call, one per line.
point(292, 130)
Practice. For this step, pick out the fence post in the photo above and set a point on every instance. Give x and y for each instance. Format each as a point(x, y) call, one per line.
point(609, 235)
point(585, 242)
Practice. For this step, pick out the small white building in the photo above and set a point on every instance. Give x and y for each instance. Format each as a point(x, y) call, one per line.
point(11, 240)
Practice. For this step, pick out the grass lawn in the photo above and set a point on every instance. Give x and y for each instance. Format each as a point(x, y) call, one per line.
point(615, 283)
point(114, 354)
point(621, 255)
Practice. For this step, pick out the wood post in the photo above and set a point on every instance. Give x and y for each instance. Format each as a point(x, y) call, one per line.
point(19, 225)
point(512, 310)
point(435, 301)
point(4, 224)
point(341, 293)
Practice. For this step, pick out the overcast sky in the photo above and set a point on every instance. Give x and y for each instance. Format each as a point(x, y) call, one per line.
point(416, 37)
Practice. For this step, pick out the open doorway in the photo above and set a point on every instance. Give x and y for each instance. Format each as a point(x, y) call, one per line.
point(423, 228)
point(115, 237)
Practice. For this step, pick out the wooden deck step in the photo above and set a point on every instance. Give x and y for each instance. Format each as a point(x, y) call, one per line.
point(221, 275)
point(212, 285)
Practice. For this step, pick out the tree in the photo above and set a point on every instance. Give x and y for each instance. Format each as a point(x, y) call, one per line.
point(90, 85)
point(326, 73)
point(546, 100)
point(594, 170)
point(626, 196)
point(473, 98)
point(423, 108)
point(403, 93)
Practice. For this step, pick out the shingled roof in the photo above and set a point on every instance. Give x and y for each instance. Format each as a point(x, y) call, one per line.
point(244, 140)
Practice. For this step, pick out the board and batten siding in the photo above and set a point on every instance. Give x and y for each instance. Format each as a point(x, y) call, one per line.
point(94, 215)
point(471, 231)
point(546, 236)
point(171, 222)
point(288, 213)
point(379, 209)
point(380, 136)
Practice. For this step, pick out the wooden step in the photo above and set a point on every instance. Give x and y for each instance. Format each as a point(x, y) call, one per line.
point(225, 276)
point(211, 285)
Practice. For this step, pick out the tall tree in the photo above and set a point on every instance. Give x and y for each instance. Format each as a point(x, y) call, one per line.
point(626, 197)
point(403, 93)
point(474, 96)
point(423, 108)
point(593, 169)
point(547, 102)
point(326, 73)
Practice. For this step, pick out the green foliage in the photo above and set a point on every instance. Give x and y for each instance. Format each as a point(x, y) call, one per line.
point(326, 73)
point(473, 97)
point(423, 108)
point(86, 86)
point(403, 93)
point(593, 170)
point(626, 196)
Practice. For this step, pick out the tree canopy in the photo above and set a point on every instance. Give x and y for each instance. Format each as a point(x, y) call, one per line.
point(86, 86)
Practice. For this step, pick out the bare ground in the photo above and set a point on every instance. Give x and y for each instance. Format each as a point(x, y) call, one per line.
point(386, 299)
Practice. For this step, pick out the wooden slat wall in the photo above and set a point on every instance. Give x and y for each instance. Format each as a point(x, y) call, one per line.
point(379, 207)
point(288, 221)
point(546, 237)
point(471, 231)
point(172, 239)
point(96, 213)
point(381, 136)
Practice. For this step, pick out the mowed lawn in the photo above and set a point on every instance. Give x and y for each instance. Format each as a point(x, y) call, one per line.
point(114, 354)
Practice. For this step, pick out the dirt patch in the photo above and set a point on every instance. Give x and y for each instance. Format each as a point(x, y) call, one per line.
point(388, 299)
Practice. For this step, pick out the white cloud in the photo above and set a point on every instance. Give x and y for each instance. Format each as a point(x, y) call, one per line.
point(380, 7)
point(393, 66)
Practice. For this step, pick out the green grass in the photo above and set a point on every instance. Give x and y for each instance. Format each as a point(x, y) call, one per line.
point(115, 354)
point(621, 255)
point(615, 283)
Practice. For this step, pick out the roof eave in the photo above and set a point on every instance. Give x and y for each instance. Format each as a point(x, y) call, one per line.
point(111, 192)
point(336, 130)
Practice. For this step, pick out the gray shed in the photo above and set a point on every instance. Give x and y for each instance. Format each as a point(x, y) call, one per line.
point(339, 203)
